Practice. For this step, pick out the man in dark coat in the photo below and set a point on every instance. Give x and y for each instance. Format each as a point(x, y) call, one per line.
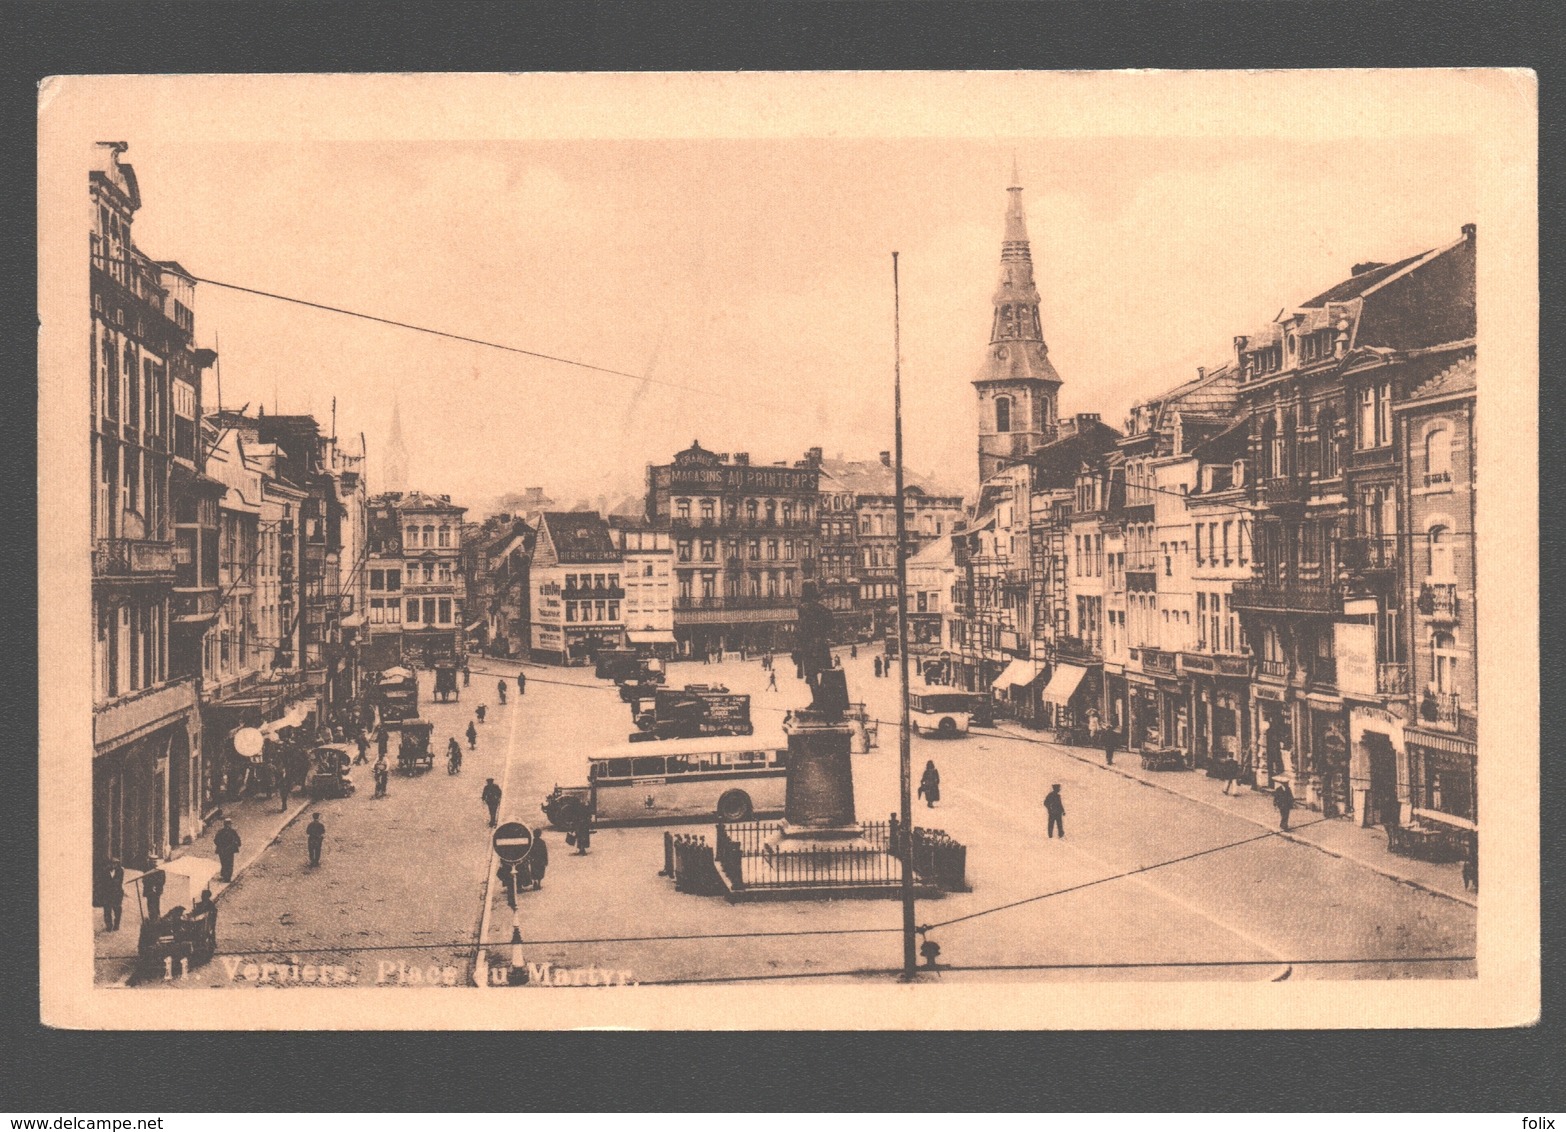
point(472, 736)
point(490, 796)
point(283, 787)
point(111, 892)
point(363, 743)
point(466, 676)
point(878, 666)
point(583, 834)
point(227, 845)
point(538, 859)
point(1057, 811)
point(382, 741)
point(152, 890)
point(1108, 737)
point(500, 689)
point(315, 836)
point(521, 683)
point(1283, 798)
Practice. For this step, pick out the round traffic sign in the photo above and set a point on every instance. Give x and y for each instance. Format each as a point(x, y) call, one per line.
point(513, 841)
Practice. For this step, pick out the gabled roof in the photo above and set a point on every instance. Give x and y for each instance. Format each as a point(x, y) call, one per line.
point(579, 536)
point(871, 477)
point(1232, 444)
point(1356, 285)
point(1462, 376)
point(1057, 463)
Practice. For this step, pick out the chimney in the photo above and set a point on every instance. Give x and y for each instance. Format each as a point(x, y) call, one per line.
point(742, 458)
point(1469, 232)
point(886, 459)
point(813, 457)
point(1201, 373)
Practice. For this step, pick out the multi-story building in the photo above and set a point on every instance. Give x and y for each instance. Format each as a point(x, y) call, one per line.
point(1217, 664)
point(383, 566)
point(1161, 471)
point(744, 543)
point(1436, 442)
point(864, 494)
point(432, 582)
point(932, 579)
point(1318, 386)
point(837, 562)
point(496, 559)
point(648, 551)
point(577, 596)
point(147, 468)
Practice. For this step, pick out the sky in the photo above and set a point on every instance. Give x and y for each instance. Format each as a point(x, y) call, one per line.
point(746, 281)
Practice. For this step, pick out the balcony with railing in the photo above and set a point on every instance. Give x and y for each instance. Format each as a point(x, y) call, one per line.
point(1442, 710)
point(1079, 650)
point(737, 602)
point(1438, 600)
point(1369, 554)
point(1273, 669)
point(1279, 596)
point(134, 558)
point(1284, 489)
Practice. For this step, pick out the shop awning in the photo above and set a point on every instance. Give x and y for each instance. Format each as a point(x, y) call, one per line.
point(1444, 818)
point(1018, 674)
point(1063, 684)
point(650, 637)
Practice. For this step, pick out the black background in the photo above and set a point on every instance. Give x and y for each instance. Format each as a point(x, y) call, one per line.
point(51, 1071)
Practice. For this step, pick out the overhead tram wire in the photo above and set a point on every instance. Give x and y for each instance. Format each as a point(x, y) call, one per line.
point(643, 378)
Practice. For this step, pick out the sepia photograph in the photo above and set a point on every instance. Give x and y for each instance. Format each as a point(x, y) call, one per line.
point(789, 551)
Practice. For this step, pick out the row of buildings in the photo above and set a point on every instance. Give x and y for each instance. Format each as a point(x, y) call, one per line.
point(240, 569)
point(1271, 563)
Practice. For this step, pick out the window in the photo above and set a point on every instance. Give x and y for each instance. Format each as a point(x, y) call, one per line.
point(772, 549)
point(1240, 546)
point(413, 611)
point(708, 586)
point(614, 611)
point(1438, 456)
point(1168, 560)
point(709, 550)
point(1199, 558)
point(755, 549)
point(601, 609)
point(1440, 541)
point(682, 509)
point(706, 511)
point(444, 609)
point(445, 535)
point(429, 611)
point(1003, 414)
point(1327, 442)
point(1375, 416)
point(1443, 649)
point(394, 579)
point(570, 611)
point(429, 535)
point(683, 549)
point(377, 579)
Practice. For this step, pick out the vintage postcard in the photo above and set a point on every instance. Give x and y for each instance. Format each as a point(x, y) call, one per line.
point(789, 551)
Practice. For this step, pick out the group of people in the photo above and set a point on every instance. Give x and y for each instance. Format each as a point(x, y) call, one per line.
point(930, 791)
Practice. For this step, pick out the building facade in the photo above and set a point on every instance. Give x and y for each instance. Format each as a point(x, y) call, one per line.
point(648, 551)
point(432, 582)
point(744, 544)
point(147, 460)
point(577, 593)
point(496, 561)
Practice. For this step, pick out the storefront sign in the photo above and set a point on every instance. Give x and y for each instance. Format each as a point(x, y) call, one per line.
point(1355, 646)
point(1268, 692)
point(546, 638)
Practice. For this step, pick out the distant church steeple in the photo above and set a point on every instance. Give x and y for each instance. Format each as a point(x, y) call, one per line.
point(1017, 385)
point(395, 473)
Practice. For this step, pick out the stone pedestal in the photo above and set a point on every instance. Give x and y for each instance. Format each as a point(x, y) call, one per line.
point(819, 809)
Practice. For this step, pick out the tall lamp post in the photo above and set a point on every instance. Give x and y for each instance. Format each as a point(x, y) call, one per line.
point(905, 769)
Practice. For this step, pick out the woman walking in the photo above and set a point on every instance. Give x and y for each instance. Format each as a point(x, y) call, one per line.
point(930, 785)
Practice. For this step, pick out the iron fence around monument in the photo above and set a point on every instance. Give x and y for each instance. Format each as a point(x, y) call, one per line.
point(749, 856)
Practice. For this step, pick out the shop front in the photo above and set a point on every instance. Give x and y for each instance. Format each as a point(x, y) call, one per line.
point(1146, 704)
point(583, 645)
point(1329, 762)
point(1378, 767)
point(1116, 714)
point(1016, 690)
point(1273, 757)
point(1443, 777)
point(1074, 698)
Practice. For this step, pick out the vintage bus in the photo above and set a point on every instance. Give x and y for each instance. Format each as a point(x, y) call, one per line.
point(729, 777)
point(935, 710)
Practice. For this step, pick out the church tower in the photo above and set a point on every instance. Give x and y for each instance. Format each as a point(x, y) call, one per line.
point(1018, 388)
point(395, 477)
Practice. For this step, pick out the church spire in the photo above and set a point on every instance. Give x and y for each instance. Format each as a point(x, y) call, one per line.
point(396, 468)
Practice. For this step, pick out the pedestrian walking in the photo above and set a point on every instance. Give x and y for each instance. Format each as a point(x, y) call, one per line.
point(772, 681)
point(110, 895)
point(491, 798)
point(382, 775)
point(152, 892)
point(582, 835)
point(1283, 798)
point(363, 743)
point(538, 859)
point(227, 844)
point(467, 677)
point(382, 740)
point(878, 668)
point(930, 785)
point(472, 736)
point(1057, 811)
point(1109, 747)
point(315, 837)
point(453, 756)
point(500, 687)
point(521, 683)
point(479, 711)
point(1231, 774)
point(283, 787)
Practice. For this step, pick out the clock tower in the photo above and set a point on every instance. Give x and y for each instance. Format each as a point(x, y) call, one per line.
point(1017, 386)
